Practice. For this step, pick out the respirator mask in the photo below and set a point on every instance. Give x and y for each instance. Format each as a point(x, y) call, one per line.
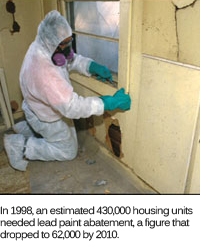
point(63, 52)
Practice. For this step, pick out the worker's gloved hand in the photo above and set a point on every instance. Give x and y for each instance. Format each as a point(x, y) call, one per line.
point(119, 100)
point(100, 70)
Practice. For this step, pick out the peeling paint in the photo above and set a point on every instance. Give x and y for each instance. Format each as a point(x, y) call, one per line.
point(113, 135)
point(90, 125)
point(14, 106)
point(5, 18)
point(183, 3)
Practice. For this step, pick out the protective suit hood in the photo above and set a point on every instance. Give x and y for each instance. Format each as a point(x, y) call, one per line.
point(51, 31)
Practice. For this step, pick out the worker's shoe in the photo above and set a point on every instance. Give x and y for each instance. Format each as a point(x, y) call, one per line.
point(14, 146)
point(24, 129)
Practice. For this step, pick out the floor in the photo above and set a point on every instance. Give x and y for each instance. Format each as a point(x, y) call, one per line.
point(94, 171)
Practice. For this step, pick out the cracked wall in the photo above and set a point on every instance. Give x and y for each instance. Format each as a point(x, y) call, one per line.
point(171, 30)
point(159, 29)
point(183, 3)
point(188, 29)
point(169, 93)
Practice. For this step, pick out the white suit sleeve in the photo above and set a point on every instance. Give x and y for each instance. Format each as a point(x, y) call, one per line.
point(59, 95)
point(80, 64)
point(82, 107)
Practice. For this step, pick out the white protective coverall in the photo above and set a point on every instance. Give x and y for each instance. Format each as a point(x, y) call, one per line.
point(48, 96)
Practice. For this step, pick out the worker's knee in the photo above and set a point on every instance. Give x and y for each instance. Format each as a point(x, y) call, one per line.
point(40, 149)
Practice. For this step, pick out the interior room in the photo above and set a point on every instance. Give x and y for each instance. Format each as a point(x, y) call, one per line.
point(151, 47)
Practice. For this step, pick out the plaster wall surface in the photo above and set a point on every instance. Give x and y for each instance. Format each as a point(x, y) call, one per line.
point(5, 24)
point(168, 110)
point(194, 181)
point(171, 30)
point(49, 5)
point(188, 20)
point(13, 47)
point(159, 29)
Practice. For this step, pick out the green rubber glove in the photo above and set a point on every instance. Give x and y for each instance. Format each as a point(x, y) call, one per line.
point(119, 100)
point(100, 70)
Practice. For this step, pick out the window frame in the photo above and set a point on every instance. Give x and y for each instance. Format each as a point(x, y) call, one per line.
point(128, 10)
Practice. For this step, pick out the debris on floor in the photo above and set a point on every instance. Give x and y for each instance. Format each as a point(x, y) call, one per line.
point(65, 177)
point(92, 172)
point(100, 183)
point(79, 177)
point(107, 191)
point(90, 162)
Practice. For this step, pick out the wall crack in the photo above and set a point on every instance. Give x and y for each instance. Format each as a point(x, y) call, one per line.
point(183, 4)
point(180, 5)
point(176, 27)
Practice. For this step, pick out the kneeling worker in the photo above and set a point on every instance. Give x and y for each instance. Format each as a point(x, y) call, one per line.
point(48, 96)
